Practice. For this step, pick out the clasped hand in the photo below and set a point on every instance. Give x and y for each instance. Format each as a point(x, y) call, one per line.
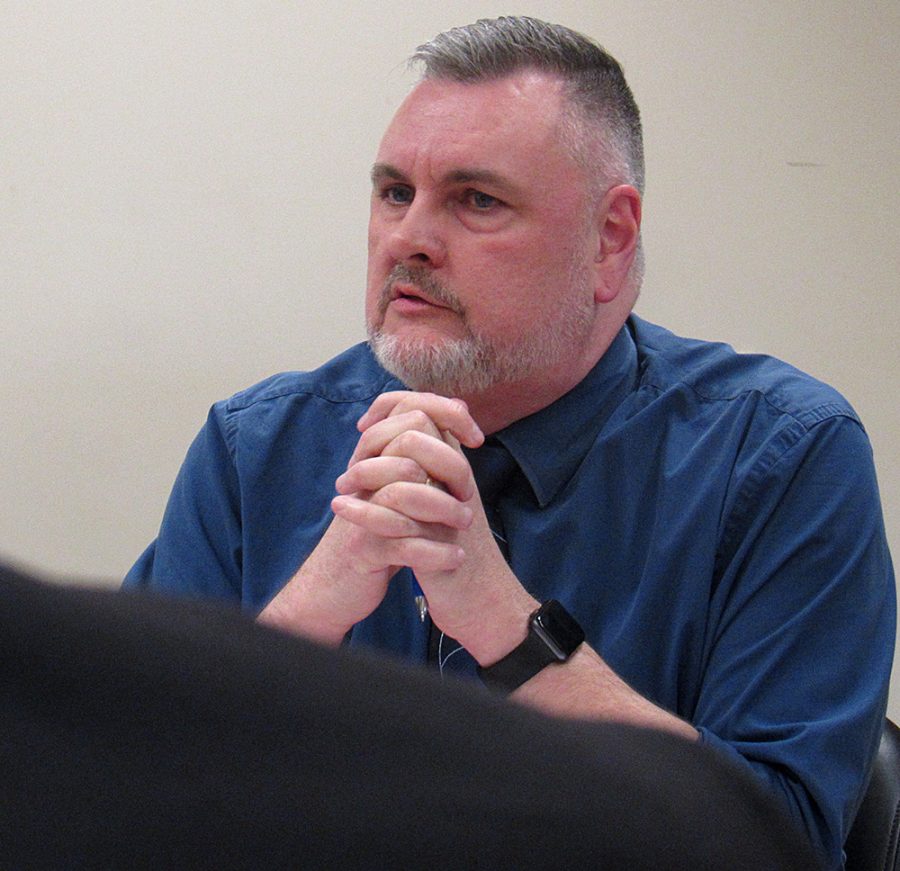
point(410, 441)
point(388, 515)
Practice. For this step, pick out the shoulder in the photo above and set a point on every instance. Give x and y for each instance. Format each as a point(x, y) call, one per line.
point(329, 397)
point(353, 376)
point(713, 372)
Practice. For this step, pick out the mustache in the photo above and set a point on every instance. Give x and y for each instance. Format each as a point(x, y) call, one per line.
point(422, 279)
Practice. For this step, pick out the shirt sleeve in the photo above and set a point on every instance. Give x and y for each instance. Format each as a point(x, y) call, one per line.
point(797, 670)
point(198, 551)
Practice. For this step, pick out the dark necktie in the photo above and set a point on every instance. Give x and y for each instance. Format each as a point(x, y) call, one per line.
point(493, 467)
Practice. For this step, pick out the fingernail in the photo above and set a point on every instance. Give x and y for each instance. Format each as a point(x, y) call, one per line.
point(338, 503)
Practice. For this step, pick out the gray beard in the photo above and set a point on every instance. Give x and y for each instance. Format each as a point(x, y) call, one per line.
point(453, 367)
point(471, 364)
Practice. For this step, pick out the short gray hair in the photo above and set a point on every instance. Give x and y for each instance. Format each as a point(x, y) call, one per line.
point(604, 125)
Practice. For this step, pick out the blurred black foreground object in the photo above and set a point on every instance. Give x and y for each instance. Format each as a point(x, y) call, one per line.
point(138, 732)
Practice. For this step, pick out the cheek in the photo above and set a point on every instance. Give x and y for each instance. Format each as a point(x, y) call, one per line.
point(376, 274)
point(376, 238)
point(374, 234)
point(526, 270)
point(374, 283)
point(515, 286)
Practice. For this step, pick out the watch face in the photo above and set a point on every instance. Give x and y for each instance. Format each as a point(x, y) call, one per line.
point(558, 629)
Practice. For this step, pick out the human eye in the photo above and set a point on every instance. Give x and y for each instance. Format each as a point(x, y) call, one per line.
point(482, 202)
point(397, 194)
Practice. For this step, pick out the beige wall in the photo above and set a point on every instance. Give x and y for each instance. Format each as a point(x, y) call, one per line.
point(183, 196)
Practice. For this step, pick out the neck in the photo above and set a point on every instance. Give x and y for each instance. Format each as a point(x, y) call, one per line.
point(503, 404)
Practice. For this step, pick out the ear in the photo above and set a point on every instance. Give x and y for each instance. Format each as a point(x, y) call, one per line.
point(619, 226)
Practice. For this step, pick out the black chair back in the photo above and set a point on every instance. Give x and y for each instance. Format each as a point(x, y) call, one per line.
point(872, 844)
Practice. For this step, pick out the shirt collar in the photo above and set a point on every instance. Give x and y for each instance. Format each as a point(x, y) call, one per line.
point(550, 444)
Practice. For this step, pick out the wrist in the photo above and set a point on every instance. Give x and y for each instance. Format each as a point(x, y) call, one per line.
point(500, 628)
point(552, 637)
point(294, 610)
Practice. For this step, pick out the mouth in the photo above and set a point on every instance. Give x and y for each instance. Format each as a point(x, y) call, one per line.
point(413, 292)
point(404, 291)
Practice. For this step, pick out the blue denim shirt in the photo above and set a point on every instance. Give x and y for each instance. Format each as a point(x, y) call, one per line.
point(711, 519)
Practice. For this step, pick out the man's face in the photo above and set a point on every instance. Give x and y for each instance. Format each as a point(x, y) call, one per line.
point(480, 243)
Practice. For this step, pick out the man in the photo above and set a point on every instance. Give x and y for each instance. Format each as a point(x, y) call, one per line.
point(137, 732)
point(708, 521)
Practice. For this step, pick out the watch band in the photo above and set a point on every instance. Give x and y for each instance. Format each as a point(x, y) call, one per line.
point(553, 636)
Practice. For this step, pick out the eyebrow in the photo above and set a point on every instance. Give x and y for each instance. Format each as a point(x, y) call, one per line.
point(383, 171)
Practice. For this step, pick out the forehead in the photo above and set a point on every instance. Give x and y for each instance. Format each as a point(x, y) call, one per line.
point(495, 125)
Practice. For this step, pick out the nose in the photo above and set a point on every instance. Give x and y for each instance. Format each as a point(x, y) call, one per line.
point(416, 236)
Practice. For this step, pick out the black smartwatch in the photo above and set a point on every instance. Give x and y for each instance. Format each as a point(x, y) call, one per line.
point(553, 636)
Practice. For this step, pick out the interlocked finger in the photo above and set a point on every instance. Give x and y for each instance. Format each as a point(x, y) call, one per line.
point(378, 436)
point(386, 521)
point(448, 414)
point(377, 472)
point(442, 463)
